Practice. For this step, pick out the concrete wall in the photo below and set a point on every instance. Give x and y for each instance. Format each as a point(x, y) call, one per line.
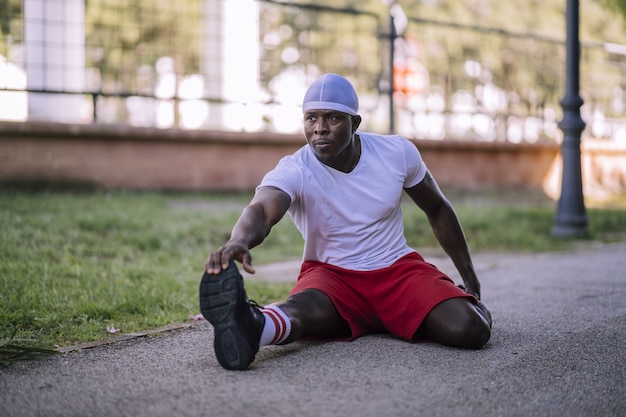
point(143, 158)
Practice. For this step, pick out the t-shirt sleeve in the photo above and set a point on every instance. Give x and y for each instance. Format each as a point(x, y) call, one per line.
point(416, 167)
point(286, 176)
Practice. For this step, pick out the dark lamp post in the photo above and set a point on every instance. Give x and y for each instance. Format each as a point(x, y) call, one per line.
point(397, 26)
point(571, 218)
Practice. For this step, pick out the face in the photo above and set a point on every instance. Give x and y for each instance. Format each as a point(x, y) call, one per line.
point(330, 134)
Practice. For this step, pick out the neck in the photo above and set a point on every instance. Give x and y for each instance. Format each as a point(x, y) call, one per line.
point(348, 159)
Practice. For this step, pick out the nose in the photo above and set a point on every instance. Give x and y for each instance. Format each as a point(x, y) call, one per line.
point(320, 125)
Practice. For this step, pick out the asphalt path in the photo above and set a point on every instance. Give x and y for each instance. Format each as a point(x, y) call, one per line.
point(558, 348)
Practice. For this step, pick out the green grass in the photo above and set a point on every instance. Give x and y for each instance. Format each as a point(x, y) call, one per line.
point(72, 264)
point(497, 229)
point(12, 350)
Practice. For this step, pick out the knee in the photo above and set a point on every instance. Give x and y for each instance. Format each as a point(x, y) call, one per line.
point(475, 332)
point(312, 313)
point(458, 322)
point(476, 327)
point(305, 311)
point(308, 307)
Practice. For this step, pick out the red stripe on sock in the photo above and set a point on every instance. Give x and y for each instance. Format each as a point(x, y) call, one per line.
point(279, 322)
point(283, 321)
point(272, 316)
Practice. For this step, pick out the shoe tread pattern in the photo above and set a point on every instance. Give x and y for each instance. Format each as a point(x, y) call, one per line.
point(219, 295)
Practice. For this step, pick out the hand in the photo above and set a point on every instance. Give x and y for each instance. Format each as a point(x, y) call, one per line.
point(220, 259)
point(473, 290)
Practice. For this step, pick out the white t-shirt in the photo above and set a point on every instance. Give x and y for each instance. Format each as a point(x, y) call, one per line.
point(351, 220)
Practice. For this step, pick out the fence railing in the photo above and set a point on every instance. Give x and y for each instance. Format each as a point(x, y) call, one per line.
point(244, 66)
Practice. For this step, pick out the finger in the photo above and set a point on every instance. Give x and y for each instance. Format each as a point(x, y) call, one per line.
point(214, 264)
point(246, 261)
point(225, 260)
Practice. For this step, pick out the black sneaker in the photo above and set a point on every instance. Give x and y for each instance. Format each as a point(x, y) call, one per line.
point(238, 323)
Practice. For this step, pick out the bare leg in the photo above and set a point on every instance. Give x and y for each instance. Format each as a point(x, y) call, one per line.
point(312, 313)
point(457, 322)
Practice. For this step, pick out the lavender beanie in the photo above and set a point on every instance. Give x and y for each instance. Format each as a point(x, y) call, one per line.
point(331, 92)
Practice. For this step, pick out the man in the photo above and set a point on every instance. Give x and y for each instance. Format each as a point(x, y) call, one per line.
point(343, 190)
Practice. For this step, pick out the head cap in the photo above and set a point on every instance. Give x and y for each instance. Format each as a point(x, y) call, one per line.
point(331, 92)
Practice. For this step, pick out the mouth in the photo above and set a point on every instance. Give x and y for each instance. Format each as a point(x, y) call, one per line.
point(321, 144)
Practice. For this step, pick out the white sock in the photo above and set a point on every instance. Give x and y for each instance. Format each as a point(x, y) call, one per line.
point(277, 326)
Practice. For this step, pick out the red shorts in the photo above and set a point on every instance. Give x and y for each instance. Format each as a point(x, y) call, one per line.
point(395, 299)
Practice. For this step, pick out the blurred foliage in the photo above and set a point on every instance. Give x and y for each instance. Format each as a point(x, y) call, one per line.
point(519, 47)
point(11, 26)
point(313, 33)
point(125, 40)
point(617, 5)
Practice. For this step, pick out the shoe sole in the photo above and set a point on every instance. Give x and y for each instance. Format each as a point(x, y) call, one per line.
point(219, 295)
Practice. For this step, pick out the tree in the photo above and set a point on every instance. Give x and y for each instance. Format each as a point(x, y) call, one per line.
point(11, 25)
point(125, 40)
point(617, 5)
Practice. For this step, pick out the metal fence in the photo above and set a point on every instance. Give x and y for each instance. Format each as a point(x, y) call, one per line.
point(244, 65)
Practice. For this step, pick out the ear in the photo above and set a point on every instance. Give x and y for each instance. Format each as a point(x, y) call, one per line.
point(356, 122)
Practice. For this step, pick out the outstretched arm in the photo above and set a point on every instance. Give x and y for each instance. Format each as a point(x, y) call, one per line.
point(447, 229)
point(267, 207)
